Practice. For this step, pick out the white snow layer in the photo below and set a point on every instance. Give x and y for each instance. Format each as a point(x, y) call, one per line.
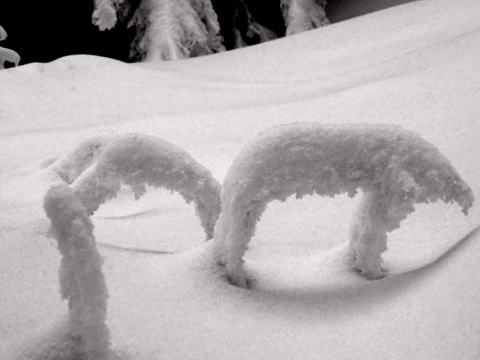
point(395, 168)
point(415, 65)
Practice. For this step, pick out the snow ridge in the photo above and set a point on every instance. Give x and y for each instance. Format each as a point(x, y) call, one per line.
point(82, 282)
point(393, 167)
point(140, 160)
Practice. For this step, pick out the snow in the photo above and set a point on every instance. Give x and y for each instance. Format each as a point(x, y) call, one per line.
point(414, 65)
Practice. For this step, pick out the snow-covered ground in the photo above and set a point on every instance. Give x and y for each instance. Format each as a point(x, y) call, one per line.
point(415, 65)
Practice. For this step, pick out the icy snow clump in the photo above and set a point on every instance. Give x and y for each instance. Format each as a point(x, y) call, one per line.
point(140, 160)
point(393, 167)
point(82, 282)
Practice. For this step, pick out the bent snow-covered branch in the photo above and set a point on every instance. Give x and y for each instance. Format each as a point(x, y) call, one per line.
point(82, 282)
point(7, 55)
point(140, 160)
point(393, 167)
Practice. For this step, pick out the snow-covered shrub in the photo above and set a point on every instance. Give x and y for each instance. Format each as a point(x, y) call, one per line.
point(70, 166)
point(82, 282)
point(393, 167)
point(166, 29)
point(7, 54)
point(140, 160)
point(303, 15)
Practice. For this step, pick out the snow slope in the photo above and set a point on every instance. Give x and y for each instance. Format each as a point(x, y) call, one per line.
point(415, 65)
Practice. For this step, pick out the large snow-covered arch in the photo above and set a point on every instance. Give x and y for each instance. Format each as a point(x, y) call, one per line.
point(393, 167)
point(140, 160)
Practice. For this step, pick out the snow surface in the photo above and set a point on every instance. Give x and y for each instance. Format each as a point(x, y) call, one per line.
point(415, 65)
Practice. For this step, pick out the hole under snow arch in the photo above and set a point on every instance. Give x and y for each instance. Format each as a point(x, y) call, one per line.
point(298, 230)
point(139, 161)
point(394, 168)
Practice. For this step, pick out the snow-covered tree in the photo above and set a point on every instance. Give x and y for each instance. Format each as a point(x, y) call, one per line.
point(253, 30)
point(82, 282)
point(393, 167)
point(7, 54)
point(165, 29)
point(139, 160)
point(303, 15)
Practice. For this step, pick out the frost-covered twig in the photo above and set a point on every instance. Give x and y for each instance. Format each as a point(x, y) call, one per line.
point(82, 282)
point(140, 160)
point(70, 166)
point(303, 15)
point(7, 54)
point(393, 167)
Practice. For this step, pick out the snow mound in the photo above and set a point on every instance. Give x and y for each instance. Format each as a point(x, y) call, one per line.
point(140, 160)
point(393, 167)
point(82, 282)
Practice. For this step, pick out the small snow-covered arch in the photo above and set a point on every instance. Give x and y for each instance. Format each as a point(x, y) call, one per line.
point(140, 160)
point(393, 167)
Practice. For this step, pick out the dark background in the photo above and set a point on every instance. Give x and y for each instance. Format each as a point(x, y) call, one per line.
point(42, 31)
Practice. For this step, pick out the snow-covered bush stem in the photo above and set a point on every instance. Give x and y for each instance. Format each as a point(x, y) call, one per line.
point(7, 54)
point(140, 160)
point(82, 282)
point(303, 15)
point(394, 168)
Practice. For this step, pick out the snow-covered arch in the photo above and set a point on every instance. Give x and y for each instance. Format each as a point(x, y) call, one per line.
point(393, 167)
point(140, 160)
point(82, 282)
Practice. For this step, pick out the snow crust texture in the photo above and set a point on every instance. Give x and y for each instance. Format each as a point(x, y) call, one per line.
point(139, 161)
point(82, 282)
point(393, 167)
